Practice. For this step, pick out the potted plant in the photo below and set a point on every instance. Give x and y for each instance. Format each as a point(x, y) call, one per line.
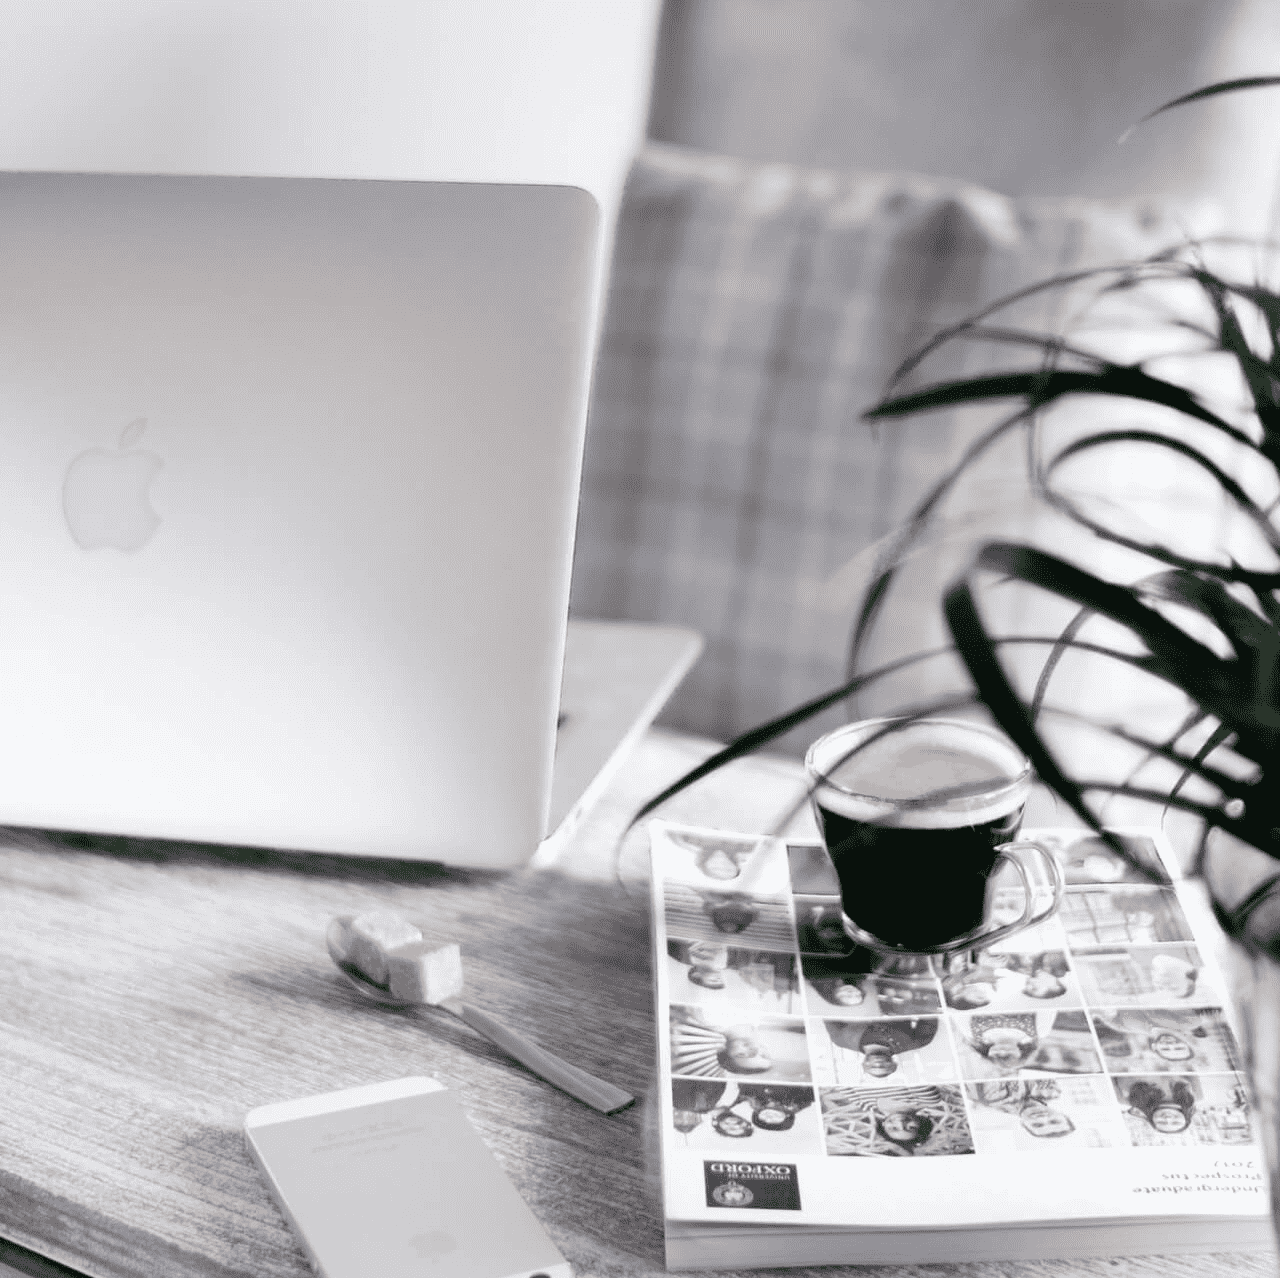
point(1204, 623)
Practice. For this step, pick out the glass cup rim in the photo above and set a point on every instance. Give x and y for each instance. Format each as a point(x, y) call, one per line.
point(820, 780)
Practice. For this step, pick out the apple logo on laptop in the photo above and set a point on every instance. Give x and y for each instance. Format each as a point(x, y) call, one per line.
point(104, 494)
point(433, 1243)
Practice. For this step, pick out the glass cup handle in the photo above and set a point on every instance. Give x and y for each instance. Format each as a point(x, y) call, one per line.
point(1013, 854)
point(983, 939)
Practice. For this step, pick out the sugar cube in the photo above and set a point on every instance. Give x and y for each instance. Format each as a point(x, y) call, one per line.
point(338, 937)
point(373, 936)
point(423, 972)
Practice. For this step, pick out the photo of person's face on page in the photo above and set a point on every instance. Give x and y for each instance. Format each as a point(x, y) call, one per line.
point(709, 859)
point(895, 1122)
point(882, 1052)
point(1002, 1045)
point(1189, 1109)
point(1128, 915)
point(746, 1119)
point(833, 994)
point(1144, 976)
point(1166, 1040)
point(707, 1043)
point(1087, 859)
point(729, 918)
point(1044, 1114)
point(713, 974)
point(1012, 981)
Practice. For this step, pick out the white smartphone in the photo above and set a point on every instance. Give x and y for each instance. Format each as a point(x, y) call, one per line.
point(392, 1180)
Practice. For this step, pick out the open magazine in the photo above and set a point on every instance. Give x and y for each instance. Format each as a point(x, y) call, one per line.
point(1075, 1090)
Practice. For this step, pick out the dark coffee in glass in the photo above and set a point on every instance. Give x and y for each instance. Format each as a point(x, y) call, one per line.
point(915, 815)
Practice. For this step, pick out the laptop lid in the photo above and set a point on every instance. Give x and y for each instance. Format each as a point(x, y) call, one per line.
point(288, 475)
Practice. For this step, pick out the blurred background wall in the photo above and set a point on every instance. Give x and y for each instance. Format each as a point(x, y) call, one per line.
point(461, 90)
point(1026, 97)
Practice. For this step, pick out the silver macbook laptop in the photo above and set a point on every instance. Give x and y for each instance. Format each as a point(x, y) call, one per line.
point(288, 477)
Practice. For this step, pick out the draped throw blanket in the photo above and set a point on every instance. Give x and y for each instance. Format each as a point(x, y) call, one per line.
point(730, 483)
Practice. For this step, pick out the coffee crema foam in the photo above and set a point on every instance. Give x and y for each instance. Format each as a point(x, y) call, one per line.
point(889, 782)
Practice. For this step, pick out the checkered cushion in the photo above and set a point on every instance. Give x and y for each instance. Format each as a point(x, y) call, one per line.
point(756, 310)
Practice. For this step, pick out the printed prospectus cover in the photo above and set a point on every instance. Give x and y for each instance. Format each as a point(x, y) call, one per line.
point(1082, 1071)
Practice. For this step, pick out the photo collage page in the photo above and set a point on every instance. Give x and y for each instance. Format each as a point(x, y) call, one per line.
point(1099, 1028)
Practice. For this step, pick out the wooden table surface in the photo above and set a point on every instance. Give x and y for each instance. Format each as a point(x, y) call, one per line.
point(155, 993)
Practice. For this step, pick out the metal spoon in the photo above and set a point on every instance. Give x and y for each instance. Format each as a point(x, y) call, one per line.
point(585, 1087)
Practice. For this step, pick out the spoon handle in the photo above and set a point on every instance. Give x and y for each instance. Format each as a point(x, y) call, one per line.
point(594, 1091)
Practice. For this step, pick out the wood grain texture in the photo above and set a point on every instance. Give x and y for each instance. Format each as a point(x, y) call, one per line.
point(154, 993)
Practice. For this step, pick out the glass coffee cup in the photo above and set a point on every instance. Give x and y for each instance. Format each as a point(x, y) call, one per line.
point(919, 818)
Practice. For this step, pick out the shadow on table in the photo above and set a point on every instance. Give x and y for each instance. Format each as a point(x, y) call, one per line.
point(355, 869)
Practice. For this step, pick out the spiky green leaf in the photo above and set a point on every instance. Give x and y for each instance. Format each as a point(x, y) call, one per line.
point(1044, 387)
